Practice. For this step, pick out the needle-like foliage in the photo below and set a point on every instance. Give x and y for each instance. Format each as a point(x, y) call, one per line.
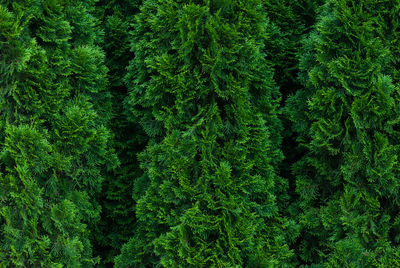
point(54, 109)
point(205, 96)
point(118, 196)
point(347, 118)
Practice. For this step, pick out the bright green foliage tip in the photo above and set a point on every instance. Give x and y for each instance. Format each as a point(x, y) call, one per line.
point(347, 119)
point(205, 96)
point(53, 137)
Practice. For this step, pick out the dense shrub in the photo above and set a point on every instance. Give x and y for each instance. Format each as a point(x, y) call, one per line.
point(199, 133)
point(205, 96)
point(347, 121)
point(54, 109)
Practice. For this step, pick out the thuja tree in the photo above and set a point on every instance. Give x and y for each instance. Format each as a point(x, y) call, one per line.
point(347, 118)
point(205, 96)
point(53, 138)
point(117, 199)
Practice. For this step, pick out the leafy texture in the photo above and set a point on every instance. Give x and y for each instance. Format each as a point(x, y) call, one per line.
point(54, 109)
point(209, 133)
point(347, 120)
point(118, 196)
point(290, 22)
point(205, 96)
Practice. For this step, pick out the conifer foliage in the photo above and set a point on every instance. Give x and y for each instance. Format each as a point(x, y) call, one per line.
point(117, 197)
point(290, 22)
point(347, 119)
point(54, 109)
point(199, 133)
point(205, 94)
